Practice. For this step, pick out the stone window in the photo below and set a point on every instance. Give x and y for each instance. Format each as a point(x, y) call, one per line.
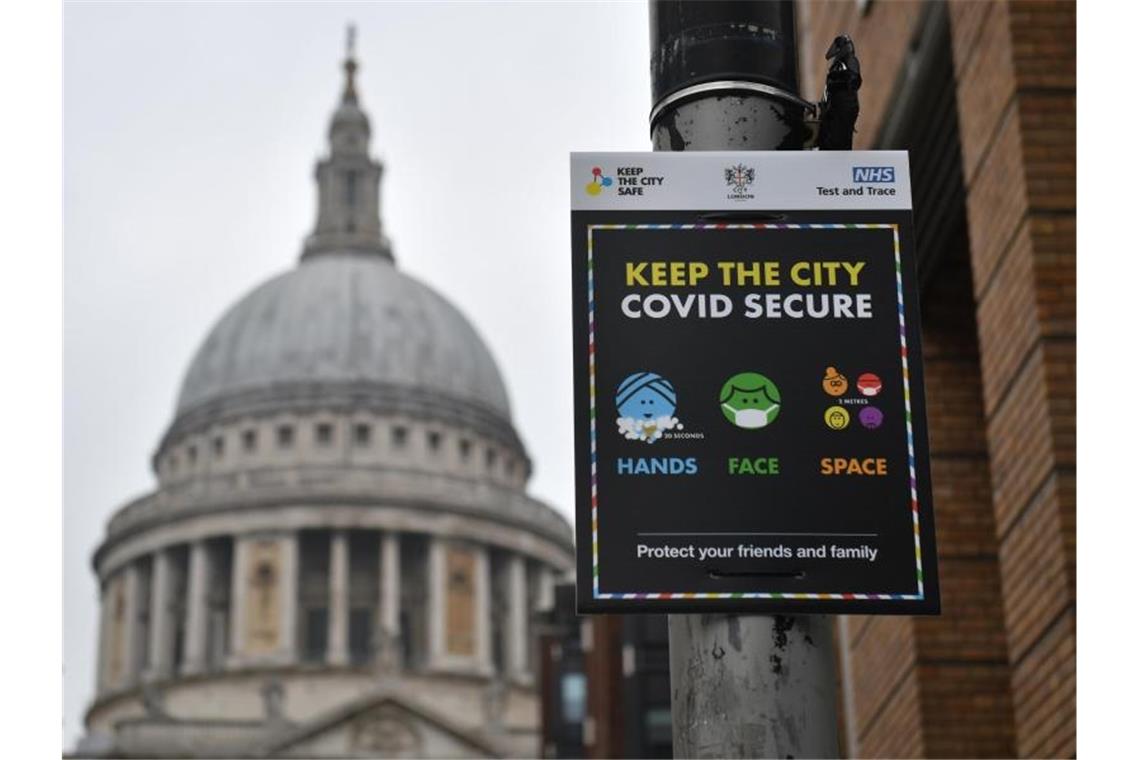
point(464, 449)
point(500, 607)
point(360, 634)
point(435, 438)
point(285, 436)
point(413, 600)
point(399, 436)
point(249, 440)
point(218, 603)
point(325, 434)
point(192, 454)
point(363, 594)
point(350, 188)
point(491, 459)
point(219, 447)
point(316, 622)
point(362, 434)
point(313, 594)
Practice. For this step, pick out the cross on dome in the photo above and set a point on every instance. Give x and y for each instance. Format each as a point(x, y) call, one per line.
point(350, 65)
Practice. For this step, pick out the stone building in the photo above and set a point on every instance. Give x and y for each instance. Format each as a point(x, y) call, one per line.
point(983, 94)
point(340, 557)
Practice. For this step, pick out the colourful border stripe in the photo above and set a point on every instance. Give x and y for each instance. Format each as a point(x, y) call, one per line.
point(598, 594)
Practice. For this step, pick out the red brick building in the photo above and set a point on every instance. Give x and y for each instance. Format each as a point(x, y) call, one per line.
point(984, 96)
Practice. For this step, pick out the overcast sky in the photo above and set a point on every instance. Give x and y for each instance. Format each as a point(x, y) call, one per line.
point(190, 134)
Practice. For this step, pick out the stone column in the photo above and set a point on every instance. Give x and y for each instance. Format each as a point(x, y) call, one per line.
point(338, 599)
point(161, 625)
point(238, 598)
point(132, 630)
point(516, 627)
point(390, 587)
point(118, 612)
point(104, 637)
point(290, 570)
point(546, 583)
point(194, 660)
point(436, 601)
point(484, 660)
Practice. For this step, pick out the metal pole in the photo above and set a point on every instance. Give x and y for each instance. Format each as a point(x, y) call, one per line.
point(724, 78)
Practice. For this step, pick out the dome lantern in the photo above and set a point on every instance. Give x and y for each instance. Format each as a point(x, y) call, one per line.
point(348, 180)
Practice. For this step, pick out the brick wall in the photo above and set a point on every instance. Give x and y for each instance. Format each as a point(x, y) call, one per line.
point(995, 674)
point(1017, 92)
point(963, 668)
point(940, 686)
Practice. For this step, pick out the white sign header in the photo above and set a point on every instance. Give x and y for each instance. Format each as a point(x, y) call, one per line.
point(746, 180)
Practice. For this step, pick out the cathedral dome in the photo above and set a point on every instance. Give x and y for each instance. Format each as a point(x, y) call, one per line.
point(345, 319)
point(341, 530)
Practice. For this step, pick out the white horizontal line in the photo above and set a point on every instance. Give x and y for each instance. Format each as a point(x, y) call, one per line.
point(698, 533)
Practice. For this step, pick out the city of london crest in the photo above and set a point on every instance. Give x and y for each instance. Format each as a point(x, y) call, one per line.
point(739, 178)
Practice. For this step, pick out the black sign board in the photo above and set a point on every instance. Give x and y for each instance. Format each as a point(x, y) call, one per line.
point(750, 425)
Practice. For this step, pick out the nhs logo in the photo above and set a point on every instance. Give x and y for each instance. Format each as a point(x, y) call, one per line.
point(873, 174)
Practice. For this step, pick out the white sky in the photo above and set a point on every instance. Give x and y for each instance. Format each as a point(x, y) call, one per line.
point(190, 134)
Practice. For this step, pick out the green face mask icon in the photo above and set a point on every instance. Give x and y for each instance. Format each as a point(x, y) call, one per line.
point(750, 400)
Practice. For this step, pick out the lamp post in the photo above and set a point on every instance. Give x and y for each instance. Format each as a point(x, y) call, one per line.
point(724, 78)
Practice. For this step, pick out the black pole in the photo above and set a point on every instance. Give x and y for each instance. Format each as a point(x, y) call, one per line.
point(713, 61)
point(724, 78)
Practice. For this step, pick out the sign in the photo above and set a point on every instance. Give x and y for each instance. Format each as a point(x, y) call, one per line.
point(750, 422)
